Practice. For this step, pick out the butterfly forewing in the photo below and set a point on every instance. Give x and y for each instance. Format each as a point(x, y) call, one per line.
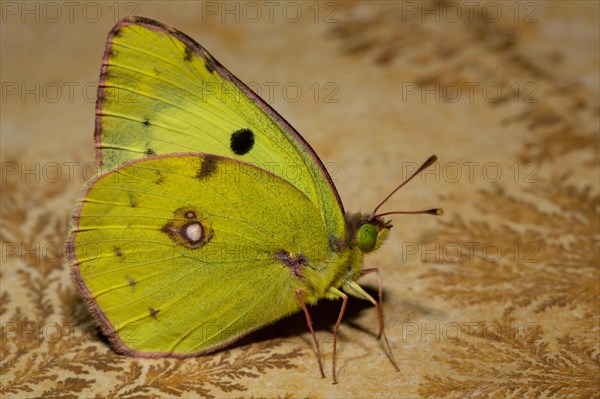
point(160, 92)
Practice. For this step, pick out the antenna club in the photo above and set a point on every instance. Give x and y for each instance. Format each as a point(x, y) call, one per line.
point(437, 211)
point(429, 161)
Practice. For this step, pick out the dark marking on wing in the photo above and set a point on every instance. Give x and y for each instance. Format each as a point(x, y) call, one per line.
point(119, 255)
point(294, 263)
point(153, 312)
point(133, 200)
point(207, 169)
point(160, 179)
point(146, 122)
point(188, 54)
point(209, 67)
point(131, 281)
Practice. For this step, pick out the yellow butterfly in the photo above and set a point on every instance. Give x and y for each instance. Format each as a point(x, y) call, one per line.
point(194, 236)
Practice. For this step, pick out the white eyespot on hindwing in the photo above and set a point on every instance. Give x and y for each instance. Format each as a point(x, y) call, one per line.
point(188, 228)
point(193, 232)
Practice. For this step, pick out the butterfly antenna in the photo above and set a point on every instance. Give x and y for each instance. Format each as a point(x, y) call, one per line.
point(435, 211)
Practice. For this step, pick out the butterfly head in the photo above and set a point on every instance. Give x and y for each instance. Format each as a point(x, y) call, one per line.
point(372, 233)
point(372, 230)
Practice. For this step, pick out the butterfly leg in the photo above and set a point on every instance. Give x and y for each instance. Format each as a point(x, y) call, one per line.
point(344, 297)
point(379, 307)
point(380, 296)
point(355, 290)
point(310, 327)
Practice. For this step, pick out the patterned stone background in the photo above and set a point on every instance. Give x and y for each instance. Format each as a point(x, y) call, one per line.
point(500, 297)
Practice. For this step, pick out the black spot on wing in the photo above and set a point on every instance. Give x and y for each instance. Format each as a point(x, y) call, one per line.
point(146, 122)
point(207, 169)
point(149, 152)
point(242, 141)
point(153, 312)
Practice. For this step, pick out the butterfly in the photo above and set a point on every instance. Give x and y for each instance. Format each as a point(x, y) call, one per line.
point(196, 234)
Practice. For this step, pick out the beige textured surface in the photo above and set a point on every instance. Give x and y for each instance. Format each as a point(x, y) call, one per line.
point(499, 297)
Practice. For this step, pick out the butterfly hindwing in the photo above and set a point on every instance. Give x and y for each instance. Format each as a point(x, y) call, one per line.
point(184, 253)
point(160, 92)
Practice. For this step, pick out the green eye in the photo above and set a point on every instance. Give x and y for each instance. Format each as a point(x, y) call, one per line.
point(367, 237)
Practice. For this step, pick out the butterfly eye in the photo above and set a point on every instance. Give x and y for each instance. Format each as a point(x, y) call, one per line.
point(366, 237)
